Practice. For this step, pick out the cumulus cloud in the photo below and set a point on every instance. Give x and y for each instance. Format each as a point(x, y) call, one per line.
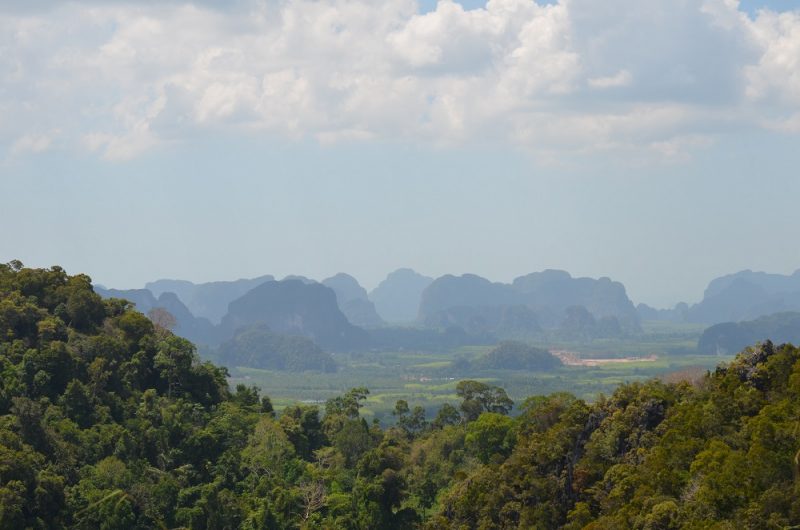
point(776, 74)
point(573, 77)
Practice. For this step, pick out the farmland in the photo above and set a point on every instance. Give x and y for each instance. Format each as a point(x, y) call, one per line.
point(429, 378)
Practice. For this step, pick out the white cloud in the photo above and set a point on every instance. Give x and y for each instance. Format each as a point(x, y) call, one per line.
point(32, 143)
point(623, 78)
point(777, 73)
point(123, 79)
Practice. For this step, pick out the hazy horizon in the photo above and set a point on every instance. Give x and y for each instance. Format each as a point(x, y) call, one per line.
point(370, 287)
point(655, 143)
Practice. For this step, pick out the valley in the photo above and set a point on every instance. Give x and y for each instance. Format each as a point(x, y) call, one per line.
point(429, 378)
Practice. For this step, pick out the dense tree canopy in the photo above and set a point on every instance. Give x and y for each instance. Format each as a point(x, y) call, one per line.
point(719, 454)
point(107, 421)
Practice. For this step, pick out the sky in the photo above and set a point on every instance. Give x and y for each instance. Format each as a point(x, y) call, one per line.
point(654, 142)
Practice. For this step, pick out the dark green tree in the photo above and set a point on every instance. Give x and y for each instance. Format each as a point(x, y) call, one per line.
point(478, 398)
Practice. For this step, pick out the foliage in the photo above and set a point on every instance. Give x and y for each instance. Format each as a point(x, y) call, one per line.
point(512, 355)
point(412, 421)
point(717, 454)
point(478, 398)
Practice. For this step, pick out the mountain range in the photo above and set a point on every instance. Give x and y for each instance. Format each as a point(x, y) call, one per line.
point(548, 293)
point(207, 300)
point(338, 313)
point(745, 295)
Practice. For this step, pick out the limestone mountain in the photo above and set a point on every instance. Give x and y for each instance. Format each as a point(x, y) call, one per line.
point(558, 290)
point(196, 329)
point(547, 293)
point(353, 300)
point(677, 314)
point(773, 284)
point(397, 297)
point(730, 337)
point(512, 355)
point(209, 300)
point(509, 320)
point(361, 313)
point(182, 288)
point(346, 287)
point(257, 346)
point(467, 290)
point(746, 295)
point(292, 307)
point(300, 278)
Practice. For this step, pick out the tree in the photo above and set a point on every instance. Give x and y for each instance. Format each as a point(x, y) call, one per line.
point(163, 321)
point(448, 415)
point(266, 406)
point(415, 421)
point(302, 425)
point(313, 499)
point(478, 398)
point(174, 361)
point(267, 449)
point(410, 422)
point(489, 435)
point(348, 405)
point(247, 397)
point(352, 441)
point(401, 408)
point(427, 494)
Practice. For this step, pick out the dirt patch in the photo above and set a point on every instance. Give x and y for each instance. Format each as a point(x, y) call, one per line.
point(572, 358)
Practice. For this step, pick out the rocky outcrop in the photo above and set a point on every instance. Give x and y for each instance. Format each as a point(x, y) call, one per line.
point(292, 307)
point(353, 300)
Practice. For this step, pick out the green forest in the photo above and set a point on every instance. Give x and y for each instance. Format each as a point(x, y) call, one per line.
point(109, 420)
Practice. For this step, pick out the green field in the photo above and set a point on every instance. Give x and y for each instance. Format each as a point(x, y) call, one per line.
point(429, 379)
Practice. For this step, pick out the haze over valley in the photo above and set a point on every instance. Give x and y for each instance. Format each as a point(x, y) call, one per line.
point(339, 314)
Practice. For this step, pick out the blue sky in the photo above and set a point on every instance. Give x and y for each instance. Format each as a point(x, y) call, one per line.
point(655, 142)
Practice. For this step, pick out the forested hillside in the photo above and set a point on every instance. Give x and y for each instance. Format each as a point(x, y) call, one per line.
point(108, 420)
point(715, 452)
point(733, 336)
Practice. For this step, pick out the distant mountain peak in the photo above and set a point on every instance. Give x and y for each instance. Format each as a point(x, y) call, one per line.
point(397, 298)
point(209, 300)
